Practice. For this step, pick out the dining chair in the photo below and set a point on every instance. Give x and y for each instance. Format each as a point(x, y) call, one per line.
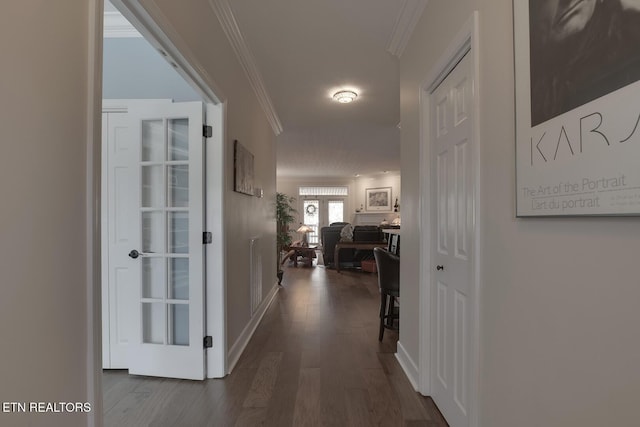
point(388, 266)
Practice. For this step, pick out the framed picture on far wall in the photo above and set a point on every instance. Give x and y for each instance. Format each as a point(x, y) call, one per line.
point(577, 81)
point(377, 199)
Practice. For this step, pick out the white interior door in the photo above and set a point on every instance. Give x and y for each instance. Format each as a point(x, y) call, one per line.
point(453, 243)
point(166, 252)
point(117, 147)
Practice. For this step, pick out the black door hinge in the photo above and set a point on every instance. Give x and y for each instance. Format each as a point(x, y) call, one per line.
point(207, 238)
point(208, 341)
point(207, 131)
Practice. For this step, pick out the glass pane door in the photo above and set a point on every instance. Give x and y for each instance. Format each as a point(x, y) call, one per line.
point(311, 217)
point(164, 216)
point(335, 211)
point(167, 257)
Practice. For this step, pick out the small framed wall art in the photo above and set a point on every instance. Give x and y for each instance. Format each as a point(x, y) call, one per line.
point(242, 169)
point(378, 199)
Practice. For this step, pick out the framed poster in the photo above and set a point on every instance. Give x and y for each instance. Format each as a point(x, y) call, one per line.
point(242, 169)
point(377, 199)
point(577, 77)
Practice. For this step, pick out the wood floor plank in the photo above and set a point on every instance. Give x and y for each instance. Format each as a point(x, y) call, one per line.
point(421, 423)
point(359, 408)
point(411, 403)
point(384, 400)
point(251, 417)
point(282, 403)
point(120, 384)
point(123, 413)
point(154, 409)
point(307, 407)
point(263, 382)
point(180, 407)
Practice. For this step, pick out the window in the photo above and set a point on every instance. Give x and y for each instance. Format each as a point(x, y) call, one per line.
point(341, 191)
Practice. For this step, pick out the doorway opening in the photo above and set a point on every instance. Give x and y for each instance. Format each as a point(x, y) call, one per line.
point(156, 207)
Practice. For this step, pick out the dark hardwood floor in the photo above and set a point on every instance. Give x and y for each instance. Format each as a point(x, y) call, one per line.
point(314, 361)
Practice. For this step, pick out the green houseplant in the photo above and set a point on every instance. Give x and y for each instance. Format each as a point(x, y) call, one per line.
point(284, 217)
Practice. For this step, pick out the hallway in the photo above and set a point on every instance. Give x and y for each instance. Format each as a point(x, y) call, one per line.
point(314, 361)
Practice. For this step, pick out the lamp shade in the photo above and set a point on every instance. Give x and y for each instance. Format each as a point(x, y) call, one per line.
point(304, 229)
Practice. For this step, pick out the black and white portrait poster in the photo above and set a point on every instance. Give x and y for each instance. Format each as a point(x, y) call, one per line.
point(577, 66)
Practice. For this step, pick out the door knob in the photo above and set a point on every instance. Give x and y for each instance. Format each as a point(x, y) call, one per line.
point(440, 267)
point(134, 254)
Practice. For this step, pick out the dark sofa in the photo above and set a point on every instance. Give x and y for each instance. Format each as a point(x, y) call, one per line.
point(348, 257)
point(329, 236)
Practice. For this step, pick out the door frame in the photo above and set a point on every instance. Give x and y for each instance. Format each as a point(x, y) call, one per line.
point(465, 42)
point(93, 228)
point(194, 74)
point(156, 29)
point(125, 107)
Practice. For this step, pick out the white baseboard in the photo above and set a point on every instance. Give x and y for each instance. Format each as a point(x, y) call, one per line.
point(241, 343)
point(408, 366)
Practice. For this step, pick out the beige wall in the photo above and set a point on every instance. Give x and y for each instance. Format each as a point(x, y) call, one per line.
point(43, 178)
point(245, 216)
point(559, 340)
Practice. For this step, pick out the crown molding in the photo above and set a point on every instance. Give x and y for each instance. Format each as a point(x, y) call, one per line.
point(225, 15)
point(117, 26)
point(406, 22)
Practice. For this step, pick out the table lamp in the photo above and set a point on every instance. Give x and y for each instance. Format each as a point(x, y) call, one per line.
point(305, 230)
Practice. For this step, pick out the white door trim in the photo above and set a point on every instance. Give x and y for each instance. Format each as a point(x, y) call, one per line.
point(467, 40)
point(198, 78)
point(215, 291)
point(93, 176)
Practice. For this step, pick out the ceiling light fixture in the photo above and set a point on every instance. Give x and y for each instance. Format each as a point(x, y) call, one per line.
point(345, 96)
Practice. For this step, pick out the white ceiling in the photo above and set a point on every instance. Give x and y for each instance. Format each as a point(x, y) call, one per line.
point(307, 50)
point(300, 52)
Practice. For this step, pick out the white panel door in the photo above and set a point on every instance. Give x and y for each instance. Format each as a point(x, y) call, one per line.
point(166, 251)
point(117, 206)
point(452, 245)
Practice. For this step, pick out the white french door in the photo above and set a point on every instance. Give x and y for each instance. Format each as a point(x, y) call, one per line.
point(452, 296)
point(167, 252)
point(335, 211)
point(319, 212)
point(311, 217)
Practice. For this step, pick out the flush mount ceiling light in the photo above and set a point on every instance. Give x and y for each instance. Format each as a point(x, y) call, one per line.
point(345, 96)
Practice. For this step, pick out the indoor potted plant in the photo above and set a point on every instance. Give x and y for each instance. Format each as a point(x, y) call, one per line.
point(284, 217)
